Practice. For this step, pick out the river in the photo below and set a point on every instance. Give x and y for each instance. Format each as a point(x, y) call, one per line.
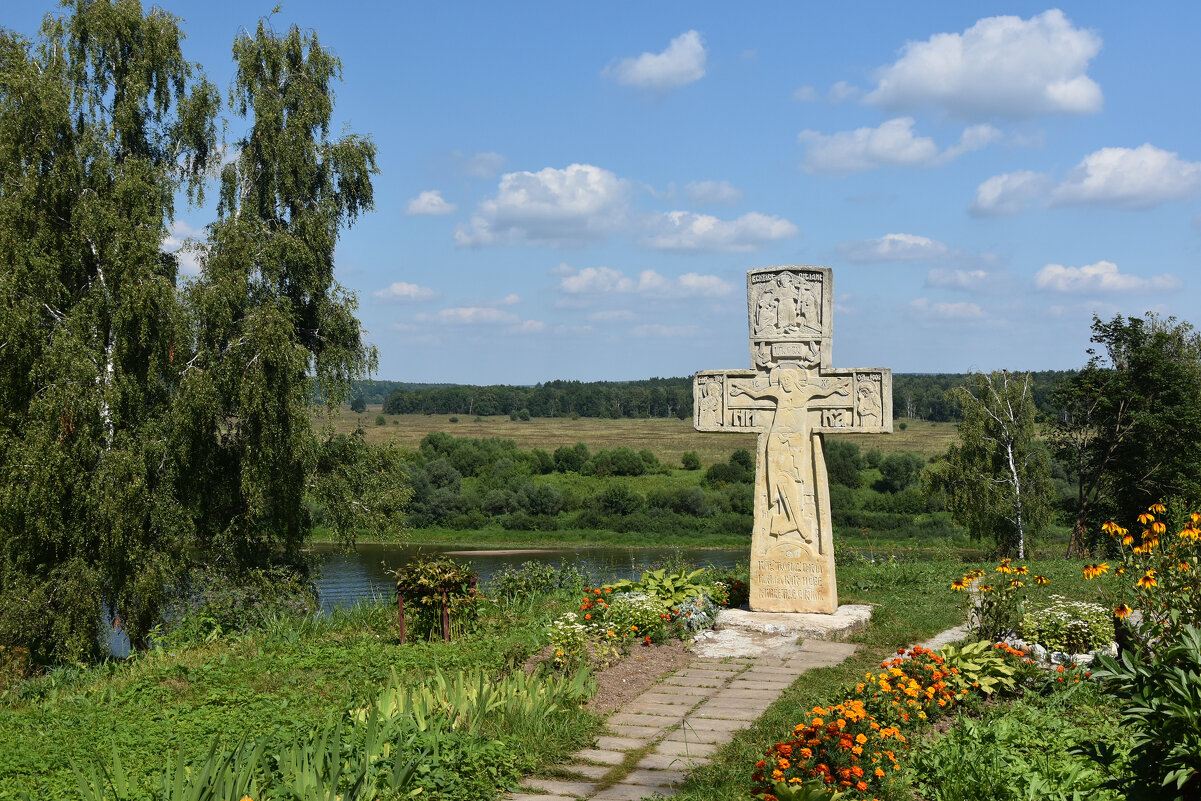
point(347, 577)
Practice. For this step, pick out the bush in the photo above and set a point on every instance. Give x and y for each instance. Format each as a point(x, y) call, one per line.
point(1161, 705)
point(536, 578)
point(1072, 627)
point(454, 419)
point(843, 463)
point(423, 578)
point(541, 499)
point(524, 415)
point(358, 405)
point(721, 474)
point(744, 459)
point(499, 502)
point(571, 459)
point(380, 420)
point(690, 460)
point(618, 499)
point(218, 605)
point(899, 471)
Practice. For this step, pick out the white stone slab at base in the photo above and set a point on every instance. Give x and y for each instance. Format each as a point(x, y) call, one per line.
point(848, 619)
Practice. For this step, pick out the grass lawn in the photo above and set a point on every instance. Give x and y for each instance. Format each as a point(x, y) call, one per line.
point(668, 438)
point(294, 676)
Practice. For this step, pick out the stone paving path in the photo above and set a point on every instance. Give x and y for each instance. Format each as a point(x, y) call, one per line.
point(677, 723)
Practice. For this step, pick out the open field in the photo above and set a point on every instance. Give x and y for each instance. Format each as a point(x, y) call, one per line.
point(668, 438)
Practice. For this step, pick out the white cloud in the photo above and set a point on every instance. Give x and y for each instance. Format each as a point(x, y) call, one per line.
point(1121, 177)
point(528, 327)
point(510, 299)
point(606, 280)
point(842, 91)
point(703, 285)
point(176, 241)
point(680, 64)
point(484, 165)
point(1010, 193)
point(686, 231)
point(961, 310)
point(892, 144)
point(966, 280)
point(611, 315)
point(804, 94)
point(999, 67)
point(471, 315)
point(430, 202)
point(665, 331)
point(403, 291)
point(896, 247)
point(1103, 276)
point(713, 193)
point(1131, 178)
point(576, 204)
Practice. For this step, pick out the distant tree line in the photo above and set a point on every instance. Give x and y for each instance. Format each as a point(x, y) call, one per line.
point(654, 397)
point(916, 396)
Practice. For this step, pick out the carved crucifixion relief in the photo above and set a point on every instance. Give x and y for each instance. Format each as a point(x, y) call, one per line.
point(790, 397)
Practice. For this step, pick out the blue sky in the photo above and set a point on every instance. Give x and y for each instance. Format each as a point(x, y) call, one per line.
point(576, 190)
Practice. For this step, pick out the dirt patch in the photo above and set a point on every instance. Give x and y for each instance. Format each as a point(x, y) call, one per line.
point(622, 681)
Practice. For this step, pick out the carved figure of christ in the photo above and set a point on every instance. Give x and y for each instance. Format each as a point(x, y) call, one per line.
point(788, 457)
point(790, 397)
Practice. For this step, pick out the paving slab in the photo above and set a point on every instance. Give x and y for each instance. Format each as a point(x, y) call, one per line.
point(761, 684)
point(713, 724)
point(597, 755)
point(662, 710)
point(749, 696)
point(631, 792)
point(673, 762)
point(608, 743)
point(669, 698)
point(685, 688)
point(636, 719)
point(655, 777)
point(560, 787)
point(678, 748)
point(843, 649)
point(538, 797)
point(691, 735)
point(589, 771)
point(725, 713)
point(697, 681)
point(636, 732)
point(708, 673)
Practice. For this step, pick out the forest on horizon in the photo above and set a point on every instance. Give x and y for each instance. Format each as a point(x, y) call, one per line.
point(916, 396)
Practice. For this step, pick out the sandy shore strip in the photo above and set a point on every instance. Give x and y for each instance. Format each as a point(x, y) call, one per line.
point(504, 552)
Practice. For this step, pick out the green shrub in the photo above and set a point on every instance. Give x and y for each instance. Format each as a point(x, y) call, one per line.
point(454, 419)
point(571, 459)
point(618, 499)
point(536, 578)
point(216, 605)
point(690, 460)
point(380, 420)
point(1073, 627)
point(1160, 698)
point(423, 579)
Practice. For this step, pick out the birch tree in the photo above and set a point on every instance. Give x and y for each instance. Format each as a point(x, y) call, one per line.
point(997, 478)
point(102, 122)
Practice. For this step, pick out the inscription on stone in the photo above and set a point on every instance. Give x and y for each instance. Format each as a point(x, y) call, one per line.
point(790, 397)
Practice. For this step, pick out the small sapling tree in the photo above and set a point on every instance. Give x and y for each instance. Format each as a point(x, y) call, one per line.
point(997, 479)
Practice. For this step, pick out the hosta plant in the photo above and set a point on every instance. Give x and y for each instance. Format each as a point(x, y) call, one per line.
point(978, 666)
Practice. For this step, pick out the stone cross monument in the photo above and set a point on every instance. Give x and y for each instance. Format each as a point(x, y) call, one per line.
point(790, 397)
